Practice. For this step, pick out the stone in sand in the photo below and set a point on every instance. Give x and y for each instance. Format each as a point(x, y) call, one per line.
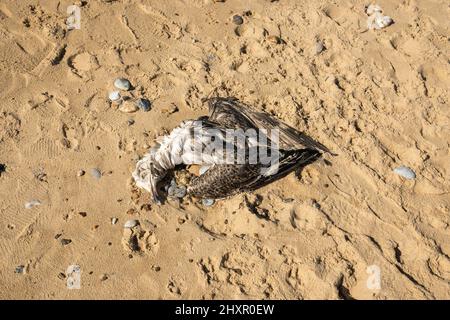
point(122, 84)
point(177, 191)
point(319, 47)
point(143, 104)
point(405, 172)
point(128, 107)
point(207, 202)
point(237, 19)
point(130, 224)
point(20, 269)
point(114, 95)
point(65, 242)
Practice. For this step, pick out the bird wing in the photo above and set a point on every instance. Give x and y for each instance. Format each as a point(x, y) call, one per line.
point(221, 181)
point(231, 113)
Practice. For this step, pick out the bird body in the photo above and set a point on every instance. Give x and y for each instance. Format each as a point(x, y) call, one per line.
point(245, 150)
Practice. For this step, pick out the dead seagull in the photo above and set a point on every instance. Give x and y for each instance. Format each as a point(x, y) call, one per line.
point(234, 168)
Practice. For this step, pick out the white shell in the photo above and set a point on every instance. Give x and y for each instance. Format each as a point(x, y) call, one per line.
point(376, 18)
point(114, 95)
point(130, 224)
point(372, 8)
point(32, 203)
point(114, 220)
point(378, 21)
point(405, 172)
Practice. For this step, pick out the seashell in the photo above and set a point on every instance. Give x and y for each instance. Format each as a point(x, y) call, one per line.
point(114, 220)
point(96, 173)
point(376, 18)
point(405, 172)
point(122, 84)
point(32, 203)
point(131, 224)
point(128, 107)
point(378, 21)
point(143, 104)
point(207, 202)
point(373, 8)
point(114, 95)
point(81, 173)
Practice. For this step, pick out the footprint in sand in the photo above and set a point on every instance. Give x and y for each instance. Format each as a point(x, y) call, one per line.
point(138, 240)
point(82, 63)
point(307, 217)
point(11, 126)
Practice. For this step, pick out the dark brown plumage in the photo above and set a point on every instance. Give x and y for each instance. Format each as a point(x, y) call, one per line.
point(223, 180)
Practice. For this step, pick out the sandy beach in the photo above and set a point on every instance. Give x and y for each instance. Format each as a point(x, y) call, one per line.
point(379, 99)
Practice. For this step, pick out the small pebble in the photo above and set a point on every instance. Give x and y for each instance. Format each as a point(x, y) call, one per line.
point(130, 122)
point(2, 168)
point(237, 19)
point(128, 107)
point(405, 172)
point(20, 269)
point(130, 224)
point(114, 95)
point(122, 84)
point(65, 242)
point(103, 277)
point(143, 104)
point(114, 220)
point(319, 47)
point(315, 204)
point(177, 191)
point(81, 173)
point(96, 173)
point(32, 203)
point(207, 202)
